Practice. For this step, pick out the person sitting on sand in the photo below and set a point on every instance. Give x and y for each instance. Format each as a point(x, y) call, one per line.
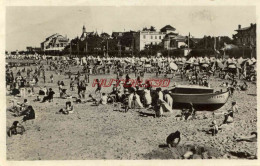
point(68, 110)
point(134, 100)
point(37, 99)
point(188, 113)
point(92, 99)
point(244, 86)
point(224, 84)
point(125, 99)
point(189, 154)
point(164, 107)
point(43, 91)
point(103, 99)
point(252, 138)
point(173, 139)
point(63, 94)
point(23, 106)
point(229, 117)
point(49, 97)
point(214, 129)
point(15, 129)
point(28, 114)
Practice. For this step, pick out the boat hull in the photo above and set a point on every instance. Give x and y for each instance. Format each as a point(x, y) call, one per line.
point(208, 102)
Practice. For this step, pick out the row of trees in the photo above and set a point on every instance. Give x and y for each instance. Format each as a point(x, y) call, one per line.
point(124, 45)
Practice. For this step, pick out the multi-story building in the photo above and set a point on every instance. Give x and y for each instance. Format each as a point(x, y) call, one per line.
point(151, 37)
point(173, 41)
point(143, 38)
point(54, 42)
point(246, 36)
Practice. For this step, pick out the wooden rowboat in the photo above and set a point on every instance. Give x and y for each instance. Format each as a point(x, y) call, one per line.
point(202, 98)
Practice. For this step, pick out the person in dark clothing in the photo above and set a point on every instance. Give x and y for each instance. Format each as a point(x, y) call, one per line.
point(13, 129)
point(28, 114)
point(127, 78)
point(98, 87)
point(173, 139)
point(49, 96)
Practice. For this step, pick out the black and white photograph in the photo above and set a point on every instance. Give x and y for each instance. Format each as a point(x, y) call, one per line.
point(131, 83)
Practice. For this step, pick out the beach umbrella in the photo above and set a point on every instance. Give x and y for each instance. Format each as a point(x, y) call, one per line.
point(232, 66)
point(253, 60)
point(205, 65)
point(238, 66)
point(173, 66)
point(240, 60)
point(249, 62)
point(220, 64)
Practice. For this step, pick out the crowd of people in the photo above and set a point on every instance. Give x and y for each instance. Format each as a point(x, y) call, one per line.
point(142, 96)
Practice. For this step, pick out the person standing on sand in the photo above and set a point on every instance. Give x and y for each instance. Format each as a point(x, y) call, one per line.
point(98, 87)
point(229, 116)
point(168, 98)
point(51, 77)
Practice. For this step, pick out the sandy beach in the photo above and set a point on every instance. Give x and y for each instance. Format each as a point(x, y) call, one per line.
point(103, 132)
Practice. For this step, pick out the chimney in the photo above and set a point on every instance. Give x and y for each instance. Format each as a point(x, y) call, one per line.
point(251, 24)
point(239, 26)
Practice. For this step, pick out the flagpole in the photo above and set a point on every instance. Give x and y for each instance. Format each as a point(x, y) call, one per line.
point(189, 41)
point(70, 49)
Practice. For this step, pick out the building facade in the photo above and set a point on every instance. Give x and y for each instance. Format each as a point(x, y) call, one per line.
point(143, 38)
point(246, 36)
point(55, 42)
point(152, 37)
point(174, 41)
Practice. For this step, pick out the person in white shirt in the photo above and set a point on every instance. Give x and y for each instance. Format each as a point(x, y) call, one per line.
point(168, 99)
point(148, 98)
point(103, 99)
point(159, 90)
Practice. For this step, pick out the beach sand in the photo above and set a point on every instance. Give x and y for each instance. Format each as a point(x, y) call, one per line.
point(101, 132)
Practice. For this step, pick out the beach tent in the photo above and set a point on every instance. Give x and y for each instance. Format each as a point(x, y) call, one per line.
point(173, 66)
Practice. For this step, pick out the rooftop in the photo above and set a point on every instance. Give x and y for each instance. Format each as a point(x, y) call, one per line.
point(168, 27)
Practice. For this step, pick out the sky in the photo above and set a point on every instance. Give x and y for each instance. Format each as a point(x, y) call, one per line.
point(30, 25)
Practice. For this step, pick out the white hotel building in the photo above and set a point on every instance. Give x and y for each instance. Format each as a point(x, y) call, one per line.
point(148, 37)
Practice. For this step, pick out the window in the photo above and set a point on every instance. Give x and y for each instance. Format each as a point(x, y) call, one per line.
point(151, 37)
point(144, 36)
point(155, 37)
point(159, 37)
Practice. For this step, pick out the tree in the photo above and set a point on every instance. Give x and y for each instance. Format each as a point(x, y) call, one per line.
point(127, 39)
point(105, 35)
point(152, 28)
